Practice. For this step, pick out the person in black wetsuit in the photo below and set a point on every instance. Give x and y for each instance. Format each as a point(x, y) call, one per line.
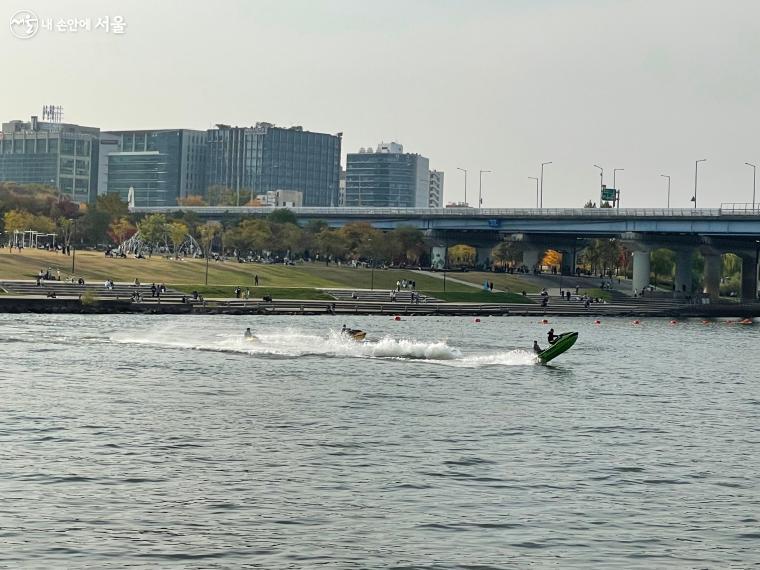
point(536, 348)
point(248, 334)
point(551, 337)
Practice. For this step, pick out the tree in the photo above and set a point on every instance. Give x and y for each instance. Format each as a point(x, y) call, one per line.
point(121, 230)
point(153, 229)
point(112, 205)
point(191, 201)
point(93, 226)
point(662, 262)
point(462, 255)
point(177, 233)
point(333, 243)
point(22, 221)
point(283, 216)
point(589, 204)
point(507, 251)
point(552, 258)
point(221, 196)
point(410, 244)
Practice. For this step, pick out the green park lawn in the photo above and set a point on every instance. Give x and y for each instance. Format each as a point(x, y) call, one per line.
point(94, 266)
point(501, 281)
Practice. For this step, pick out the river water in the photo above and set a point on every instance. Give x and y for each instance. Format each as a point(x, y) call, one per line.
point(134, 441)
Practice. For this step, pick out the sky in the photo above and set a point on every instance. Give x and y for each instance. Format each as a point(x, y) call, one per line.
point(647, 86)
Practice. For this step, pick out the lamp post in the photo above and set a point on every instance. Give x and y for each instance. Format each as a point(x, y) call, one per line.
point(754, 178)
point(696, 172)
point(536, 179)
point(465, 184)
point(601, 175)
point(480, 188)
point(541, 192)
point(668, 177)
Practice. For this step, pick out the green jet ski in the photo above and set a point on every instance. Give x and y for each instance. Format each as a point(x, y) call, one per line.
point(563, 343)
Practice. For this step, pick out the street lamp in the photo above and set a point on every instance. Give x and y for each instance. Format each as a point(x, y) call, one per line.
point(465, 184)
point(541, 199)
point(696, 172)
point(480, 188)
point(601, 174)
point(668, 177)
point(536, 179)
point(754, 178)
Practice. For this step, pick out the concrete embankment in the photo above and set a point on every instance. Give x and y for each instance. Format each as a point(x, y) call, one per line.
point(10, 304)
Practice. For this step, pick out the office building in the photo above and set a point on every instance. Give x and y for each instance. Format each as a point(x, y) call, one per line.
point(281, 199)
point(253, 161)
point(52, 153)
point(387, 177)
point(161, 165)
point(435, 196)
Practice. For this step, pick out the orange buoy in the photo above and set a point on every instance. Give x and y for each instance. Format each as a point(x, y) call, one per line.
point(673, 322)
point(544, 322)
point(477, 320)
point(745, 322)
point(637, 322)
point(597, 322)
point(396, 318)
point(705, 322)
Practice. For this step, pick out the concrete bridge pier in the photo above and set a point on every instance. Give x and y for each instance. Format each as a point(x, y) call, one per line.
point(567, 265)
point(438, 254)
point(712, 275)
point(483, 256)
point(749, 278)
point(531, 256)
point(683, 280)
point(642, 270)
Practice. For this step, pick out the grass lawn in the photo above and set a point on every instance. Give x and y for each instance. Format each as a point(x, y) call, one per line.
point(94, 266)
point(480, 297)
point(503, 281)
point(601, 293)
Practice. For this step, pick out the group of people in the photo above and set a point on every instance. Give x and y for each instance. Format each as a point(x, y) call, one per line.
point(46, 275)
point(406, 284)
point(240, 293)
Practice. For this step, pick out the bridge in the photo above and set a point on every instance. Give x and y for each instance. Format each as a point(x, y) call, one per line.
point(733, 228)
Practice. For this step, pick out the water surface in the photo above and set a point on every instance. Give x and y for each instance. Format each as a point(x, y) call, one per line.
point(134, 441)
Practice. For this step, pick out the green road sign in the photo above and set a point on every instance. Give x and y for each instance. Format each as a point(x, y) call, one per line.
point(609, 194)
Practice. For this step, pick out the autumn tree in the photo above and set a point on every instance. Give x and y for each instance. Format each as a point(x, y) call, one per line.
point(121, 230)
point(177, 232)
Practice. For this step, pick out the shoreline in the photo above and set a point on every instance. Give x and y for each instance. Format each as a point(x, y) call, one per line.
point(72, 305)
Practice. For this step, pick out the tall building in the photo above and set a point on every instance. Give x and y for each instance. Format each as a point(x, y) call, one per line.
point(52, 153)
point(387, 178)
point(436, 189)
point(255, 160)
point(161, 165)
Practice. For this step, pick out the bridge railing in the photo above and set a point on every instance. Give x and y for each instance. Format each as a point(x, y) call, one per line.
point(483, 213)
point(740, 208)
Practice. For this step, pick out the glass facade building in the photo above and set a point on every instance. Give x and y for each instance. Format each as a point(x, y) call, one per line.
point(161, 165)
point(256, 160)
point(55, 154)
point(387, 178)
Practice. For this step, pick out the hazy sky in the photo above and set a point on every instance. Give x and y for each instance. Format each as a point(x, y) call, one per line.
point(648, 86)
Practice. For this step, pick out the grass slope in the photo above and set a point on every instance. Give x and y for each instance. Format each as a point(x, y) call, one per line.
point(94, 266)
